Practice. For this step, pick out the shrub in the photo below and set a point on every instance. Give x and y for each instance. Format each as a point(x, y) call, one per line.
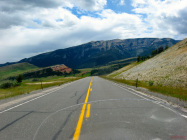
point(6, 85)
point(19, 78)
point(160, 49)
point(151, 83)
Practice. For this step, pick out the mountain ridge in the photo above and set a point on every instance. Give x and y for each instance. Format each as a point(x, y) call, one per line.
point(97, 53)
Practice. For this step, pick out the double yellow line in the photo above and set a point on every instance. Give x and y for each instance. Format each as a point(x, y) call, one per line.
point(79, 124)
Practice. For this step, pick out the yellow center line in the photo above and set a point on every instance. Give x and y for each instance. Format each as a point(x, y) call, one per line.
point(79, 124)
point(88, 111)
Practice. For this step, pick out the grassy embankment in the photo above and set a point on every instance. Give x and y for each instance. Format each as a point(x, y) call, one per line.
point(178, 92)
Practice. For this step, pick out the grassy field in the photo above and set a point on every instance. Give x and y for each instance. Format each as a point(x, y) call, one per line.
point(29, 85)
point(179, 92)
point(16, 69)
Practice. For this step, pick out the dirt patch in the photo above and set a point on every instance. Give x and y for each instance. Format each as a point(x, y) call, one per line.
point(38, 83)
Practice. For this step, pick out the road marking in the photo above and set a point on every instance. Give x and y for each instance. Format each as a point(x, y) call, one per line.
point(88, 111)
point(80, 121)
point(79, 124)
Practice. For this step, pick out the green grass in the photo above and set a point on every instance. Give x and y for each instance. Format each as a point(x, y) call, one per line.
point(86, 69)
point(132, 59)
point(26, 88)
point(16, 69)
point(86, 74)
point(178, 92)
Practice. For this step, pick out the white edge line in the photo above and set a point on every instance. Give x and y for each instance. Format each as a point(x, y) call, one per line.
point(65, 85)
point(156, 102)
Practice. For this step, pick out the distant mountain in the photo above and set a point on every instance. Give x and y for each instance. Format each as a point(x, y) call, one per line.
point(97, 53)
point(168, 68)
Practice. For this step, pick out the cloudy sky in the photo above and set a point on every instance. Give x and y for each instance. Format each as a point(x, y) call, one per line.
point(30, 27)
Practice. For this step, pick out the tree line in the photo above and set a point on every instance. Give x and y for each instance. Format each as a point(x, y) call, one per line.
point(153, 53)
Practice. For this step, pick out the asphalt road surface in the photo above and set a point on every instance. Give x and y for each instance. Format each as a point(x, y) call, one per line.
point(92, 109)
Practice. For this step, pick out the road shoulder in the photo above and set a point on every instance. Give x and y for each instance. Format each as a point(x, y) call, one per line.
point(175, 103)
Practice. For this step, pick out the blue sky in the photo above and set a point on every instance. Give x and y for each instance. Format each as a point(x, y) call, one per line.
point(30, 27)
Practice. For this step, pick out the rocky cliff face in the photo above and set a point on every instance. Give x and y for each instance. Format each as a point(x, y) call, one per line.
point(62, 68)
point(98, 53)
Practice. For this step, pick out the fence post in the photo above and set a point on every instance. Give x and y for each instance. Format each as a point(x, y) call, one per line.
point(136, 82)
point(41, 85)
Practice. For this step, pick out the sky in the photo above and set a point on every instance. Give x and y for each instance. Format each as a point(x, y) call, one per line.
point(31, 27)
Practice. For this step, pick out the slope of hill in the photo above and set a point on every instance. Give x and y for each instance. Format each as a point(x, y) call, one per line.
point(166, 69)
point(57, 70)
point(15, 69)
point(98, 53)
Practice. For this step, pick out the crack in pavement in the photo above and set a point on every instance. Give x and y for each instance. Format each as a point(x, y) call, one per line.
point(63, 125)
point(74, 95)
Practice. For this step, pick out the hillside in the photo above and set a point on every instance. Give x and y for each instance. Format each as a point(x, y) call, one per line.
point(98, 53)
point(166, 69)
point(57, 70)
point(15, 69)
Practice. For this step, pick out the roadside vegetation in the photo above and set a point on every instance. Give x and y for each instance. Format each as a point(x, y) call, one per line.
point(177, 92)
point(23, 78)
point(34, 84)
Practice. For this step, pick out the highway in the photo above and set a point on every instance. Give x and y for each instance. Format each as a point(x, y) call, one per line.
point(91, 109)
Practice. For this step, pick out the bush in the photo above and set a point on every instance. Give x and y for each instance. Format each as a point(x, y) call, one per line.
point(19, 78)
point(151, 83)
point(6, 85)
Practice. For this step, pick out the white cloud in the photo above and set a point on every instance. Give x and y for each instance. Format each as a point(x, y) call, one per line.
point(166, 18)
point(122, 2)
point(31, 27)
point(68, 32)
point(91, 5)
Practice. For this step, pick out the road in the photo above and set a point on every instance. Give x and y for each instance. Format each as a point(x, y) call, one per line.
point(91, 109)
